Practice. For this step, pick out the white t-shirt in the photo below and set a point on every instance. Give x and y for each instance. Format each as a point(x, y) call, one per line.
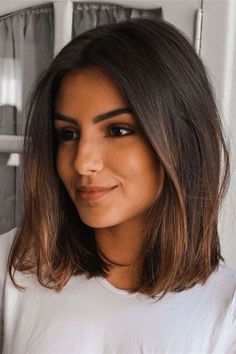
point(93, 316)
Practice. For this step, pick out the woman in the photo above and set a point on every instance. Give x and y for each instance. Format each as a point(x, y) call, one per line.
point(118, 250)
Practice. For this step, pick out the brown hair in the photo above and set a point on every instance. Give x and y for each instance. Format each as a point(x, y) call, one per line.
point(168, 92)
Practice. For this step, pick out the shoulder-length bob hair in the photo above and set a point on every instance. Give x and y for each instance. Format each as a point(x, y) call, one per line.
point(165, 83)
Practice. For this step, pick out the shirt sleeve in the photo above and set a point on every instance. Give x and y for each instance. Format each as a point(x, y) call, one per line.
point(231, 343)
point(5, 246)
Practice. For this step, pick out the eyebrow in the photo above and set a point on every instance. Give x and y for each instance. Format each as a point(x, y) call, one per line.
point(97, 119)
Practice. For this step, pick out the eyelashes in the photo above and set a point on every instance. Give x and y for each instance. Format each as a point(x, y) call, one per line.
point(114, 131)
point(118, 131)
point(66, 134)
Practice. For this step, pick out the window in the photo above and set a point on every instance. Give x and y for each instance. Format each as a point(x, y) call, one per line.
point(26, 48)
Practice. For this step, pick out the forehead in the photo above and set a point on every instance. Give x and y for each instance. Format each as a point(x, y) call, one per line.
point(88, 87)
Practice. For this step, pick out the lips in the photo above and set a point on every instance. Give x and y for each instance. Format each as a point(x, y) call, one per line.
point(93, 193)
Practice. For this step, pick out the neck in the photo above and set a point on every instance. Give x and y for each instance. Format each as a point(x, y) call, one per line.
point(122, 244)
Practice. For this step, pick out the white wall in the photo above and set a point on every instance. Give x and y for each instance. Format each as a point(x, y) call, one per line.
point(219, 53)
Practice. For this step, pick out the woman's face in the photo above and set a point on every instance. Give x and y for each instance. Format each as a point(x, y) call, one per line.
point(103, 151)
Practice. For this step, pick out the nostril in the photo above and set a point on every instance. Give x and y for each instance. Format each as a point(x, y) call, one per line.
point(88, 167)
point(88, 158)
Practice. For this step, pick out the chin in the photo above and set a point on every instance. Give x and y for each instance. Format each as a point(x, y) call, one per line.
point(98, 222)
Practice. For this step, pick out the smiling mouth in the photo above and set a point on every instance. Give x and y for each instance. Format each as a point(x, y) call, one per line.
point(87, 196)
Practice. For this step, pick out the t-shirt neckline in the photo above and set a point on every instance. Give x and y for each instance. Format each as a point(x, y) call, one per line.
point(105, 283)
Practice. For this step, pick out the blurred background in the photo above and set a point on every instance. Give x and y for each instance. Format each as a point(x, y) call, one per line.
point(32, 32)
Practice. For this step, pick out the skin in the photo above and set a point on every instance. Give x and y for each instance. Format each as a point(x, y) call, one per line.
point(102, 155)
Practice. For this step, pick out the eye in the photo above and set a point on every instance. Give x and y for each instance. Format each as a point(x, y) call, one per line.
point(66, 134)
point(119, 131)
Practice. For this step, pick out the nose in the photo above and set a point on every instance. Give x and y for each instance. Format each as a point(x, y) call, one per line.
point(88, 158)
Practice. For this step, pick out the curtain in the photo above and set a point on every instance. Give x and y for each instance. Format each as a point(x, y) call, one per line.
point(87, 15)
point(26, 48)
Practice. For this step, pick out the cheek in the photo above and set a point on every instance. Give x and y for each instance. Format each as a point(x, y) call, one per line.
point(141, 171)
point(138, 163)
point(127, 160)
point(63, 167)
point(59, 165)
